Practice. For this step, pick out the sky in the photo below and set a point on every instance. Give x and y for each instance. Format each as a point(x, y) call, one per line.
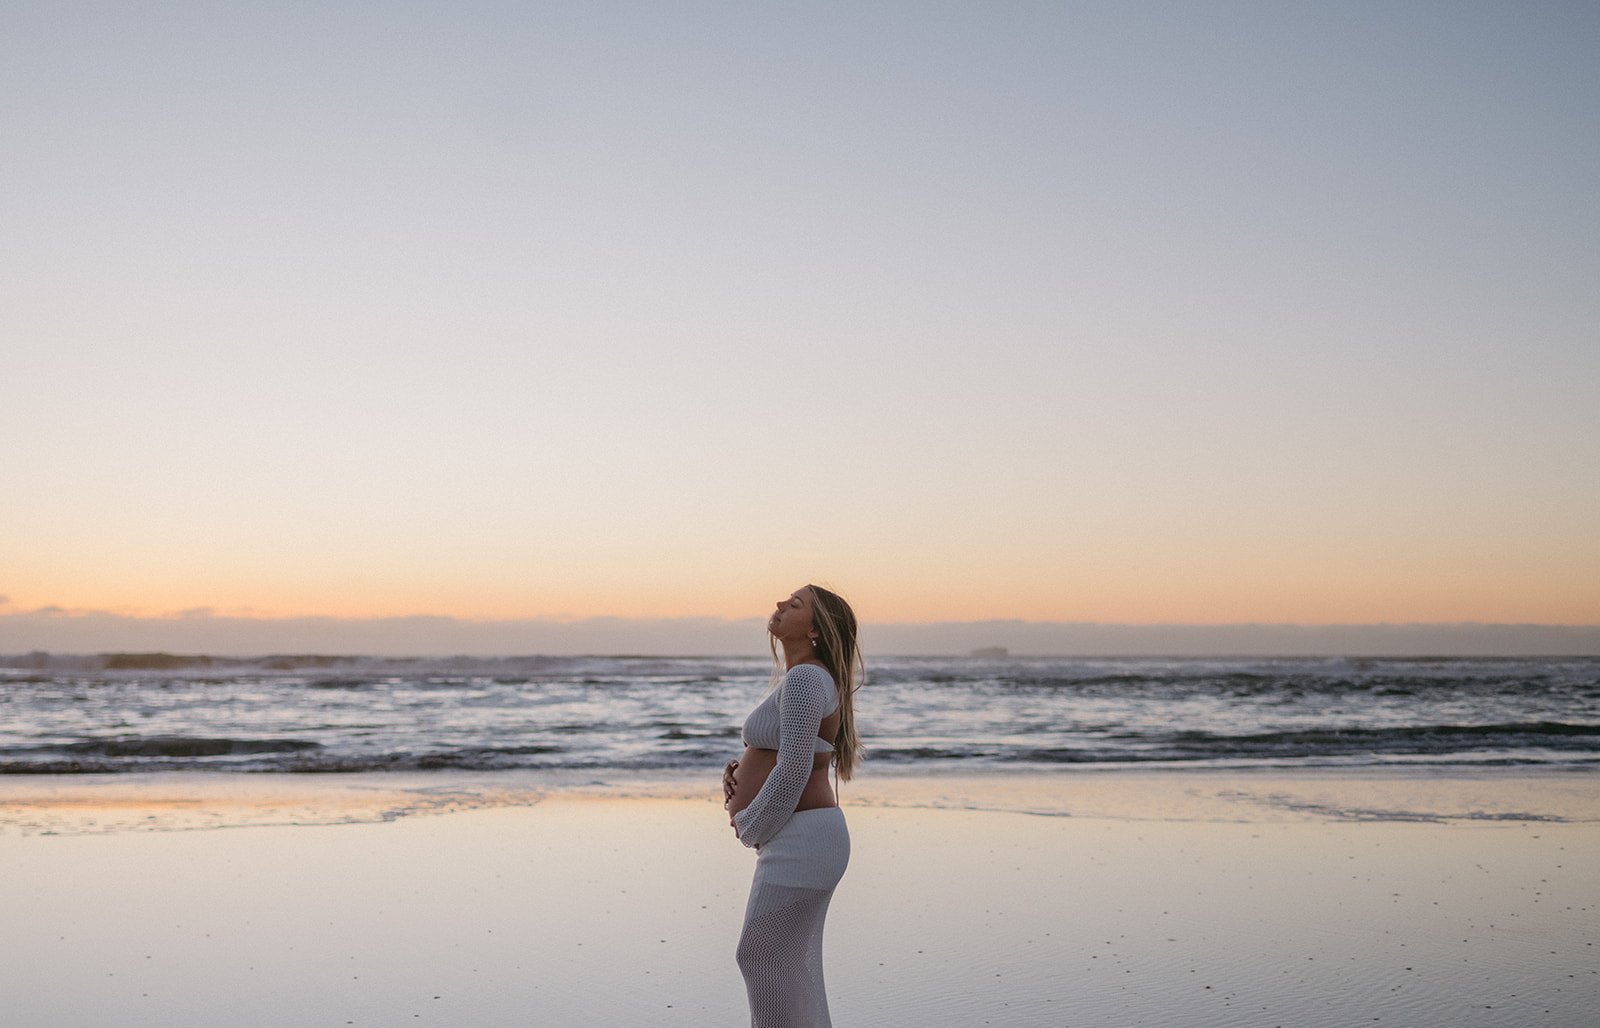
point(1069, 312)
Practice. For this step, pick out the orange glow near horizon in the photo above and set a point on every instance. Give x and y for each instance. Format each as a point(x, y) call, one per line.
point(1152, 596)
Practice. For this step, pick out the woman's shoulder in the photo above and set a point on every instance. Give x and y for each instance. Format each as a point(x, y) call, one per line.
point(808, 671)
point(810, 679)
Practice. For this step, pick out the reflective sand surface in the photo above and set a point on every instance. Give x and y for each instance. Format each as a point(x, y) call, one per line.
point(1157, 900)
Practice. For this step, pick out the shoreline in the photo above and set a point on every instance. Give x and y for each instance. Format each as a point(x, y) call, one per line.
point(192, 800)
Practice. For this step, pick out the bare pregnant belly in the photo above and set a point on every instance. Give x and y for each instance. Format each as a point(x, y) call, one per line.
point(756, 764)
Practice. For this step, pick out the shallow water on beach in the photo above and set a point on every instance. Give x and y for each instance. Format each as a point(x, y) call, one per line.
point(167, 801)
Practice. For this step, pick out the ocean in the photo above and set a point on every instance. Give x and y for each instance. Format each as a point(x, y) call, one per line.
point(321, 714)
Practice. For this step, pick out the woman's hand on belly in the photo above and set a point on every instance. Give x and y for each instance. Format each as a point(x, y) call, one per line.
point(728, 770)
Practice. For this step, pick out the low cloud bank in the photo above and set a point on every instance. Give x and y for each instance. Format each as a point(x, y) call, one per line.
point(198, 632)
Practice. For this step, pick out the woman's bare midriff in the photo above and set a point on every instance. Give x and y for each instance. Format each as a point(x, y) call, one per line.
point(755, 764)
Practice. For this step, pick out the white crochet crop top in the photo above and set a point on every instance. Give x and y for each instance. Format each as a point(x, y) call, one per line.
point(764, 727)
point(786, 721)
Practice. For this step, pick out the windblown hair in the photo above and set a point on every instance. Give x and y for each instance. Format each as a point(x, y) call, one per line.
point(836, 648)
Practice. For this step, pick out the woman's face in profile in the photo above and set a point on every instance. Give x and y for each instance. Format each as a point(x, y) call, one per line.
point(792, 618)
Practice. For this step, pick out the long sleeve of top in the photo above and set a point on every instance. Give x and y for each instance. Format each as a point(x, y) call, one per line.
point(805, 696)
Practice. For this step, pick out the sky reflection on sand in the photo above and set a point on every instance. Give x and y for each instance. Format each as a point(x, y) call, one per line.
point(600, 908)
point(174, 801)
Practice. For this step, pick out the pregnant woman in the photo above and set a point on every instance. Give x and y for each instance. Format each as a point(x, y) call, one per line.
point(780, 802)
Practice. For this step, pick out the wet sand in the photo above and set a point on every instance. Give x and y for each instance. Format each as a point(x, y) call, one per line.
point(1088, 899)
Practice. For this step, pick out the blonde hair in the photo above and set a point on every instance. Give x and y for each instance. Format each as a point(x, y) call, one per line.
point(836, 648)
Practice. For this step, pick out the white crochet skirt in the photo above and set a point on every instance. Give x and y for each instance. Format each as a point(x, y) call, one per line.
point(780, 950)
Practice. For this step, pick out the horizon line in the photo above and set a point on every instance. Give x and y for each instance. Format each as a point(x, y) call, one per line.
point(441, 636)
point(330, 659)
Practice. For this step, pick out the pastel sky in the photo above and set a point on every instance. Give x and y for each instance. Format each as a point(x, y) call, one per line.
point(1196, 313)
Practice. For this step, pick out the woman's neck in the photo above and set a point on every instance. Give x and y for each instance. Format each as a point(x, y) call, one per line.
point(797, 651)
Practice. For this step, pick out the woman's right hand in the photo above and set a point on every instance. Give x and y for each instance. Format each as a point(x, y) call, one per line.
point(728, 782)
